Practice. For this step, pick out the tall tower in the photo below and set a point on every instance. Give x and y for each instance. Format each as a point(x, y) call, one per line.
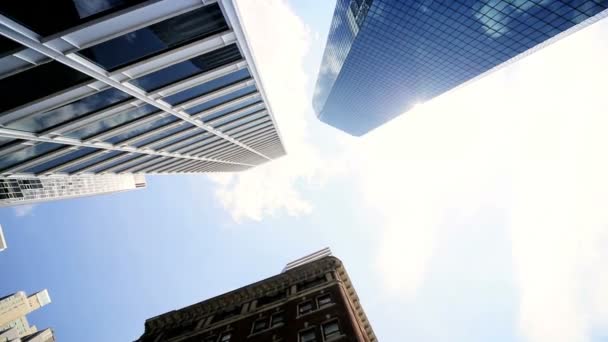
point(385, 56)
point(311, 300)
point(29, 190)
point(130, 87)
point(15, 308)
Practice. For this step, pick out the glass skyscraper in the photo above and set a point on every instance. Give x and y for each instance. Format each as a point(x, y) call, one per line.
point(129, 87)
point(385, 56)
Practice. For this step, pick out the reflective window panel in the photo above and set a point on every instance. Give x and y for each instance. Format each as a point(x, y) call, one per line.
point(157, 38)
point(49, 17)
point(384, 56)
point(208, 87)
point(230, 109)
point(49, 78)
point(98, 159)
point(222, 99)
point(42, 121)
point(142, 129)
point(26, 154)
point(163, 134)
point(123, 158)
point(61, 160)
point(197, 65)
point(113, 121)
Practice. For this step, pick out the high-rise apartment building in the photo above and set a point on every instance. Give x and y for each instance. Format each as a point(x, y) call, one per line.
point(28, 190)
point(129, 87)
point(385, 56)
point(313, 299)
point(45, 335)
point(14, 310)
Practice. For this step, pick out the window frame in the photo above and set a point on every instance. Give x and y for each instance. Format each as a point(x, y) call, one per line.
point(322, 306)
point(224, 334)
point(312, 307)
point(279, 324)
point(265, 320)
point(306, 330)
point(125, 64)
point(334, 336)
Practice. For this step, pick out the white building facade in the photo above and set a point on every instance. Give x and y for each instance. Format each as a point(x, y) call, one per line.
point(29, 190)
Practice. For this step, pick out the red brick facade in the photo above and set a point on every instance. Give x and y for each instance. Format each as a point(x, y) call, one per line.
point(315, 299)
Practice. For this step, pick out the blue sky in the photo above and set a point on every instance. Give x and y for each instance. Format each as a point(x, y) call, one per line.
point(478, 216)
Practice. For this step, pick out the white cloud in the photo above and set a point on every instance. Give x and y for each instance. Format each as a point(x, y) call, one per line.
point(559, 218)
point(280, 54)
point(23, 210)
point(528, 140)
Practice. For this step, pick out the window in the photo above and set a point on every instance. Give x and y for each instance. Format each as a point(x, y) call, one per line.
point(324, 300)
point(60, 160)
point(208, 87)
point(311, 283)
point(271, 298)
point(49, 78)
point(51, 17)
point(277, 319)
point(230, 312)
point(259, 325)
point(232, 117)
point(115, 161)
point(225, 337)
point(305, 308)
point(331, 330)
point(116, 120)
point(92, 161)
point(164, 134)
point(27, 153)
point(240, 104)
point(42, 121)
point(219, 100)
point(157, 38)
point(307, 336)
point(143, 128)
point(191, 67)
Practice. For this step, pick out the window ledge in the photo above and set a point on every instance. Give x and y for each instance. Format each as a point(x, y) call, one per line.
point(317, 310)
point(335, 338)
point(266, 330)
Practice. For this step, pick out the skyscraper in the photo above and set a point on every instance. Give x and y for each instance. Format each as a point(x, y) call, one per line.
point(14, 310)
point(130, 87)
point(385, 56)
point(313, 299)
point(28, 190)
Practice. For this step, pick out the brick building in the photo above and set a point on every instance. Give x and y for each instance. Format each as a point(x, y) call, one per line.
point(311, 300)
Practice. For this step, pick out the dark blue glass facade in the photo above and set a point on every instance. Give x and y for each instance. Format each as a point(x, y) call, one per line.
point(384, 56)
point(153, 76)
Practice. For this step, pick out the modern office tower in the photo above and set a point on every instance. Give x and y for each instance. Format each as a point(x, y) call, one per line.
point(129, 87)
point(385, 56)
point(28, 190)
point(2, 240)
point(313, 299)
point(14, 310)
